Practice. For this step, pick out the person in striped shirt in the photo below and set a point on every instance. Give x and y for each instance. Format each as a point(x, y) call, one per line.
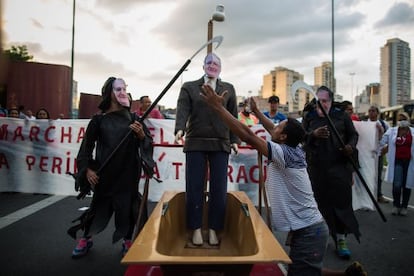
point(294, 208)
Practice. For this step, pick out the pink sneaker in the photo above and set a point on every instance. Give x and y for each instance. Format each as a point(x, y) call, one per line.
point(126, 245)
point(82, 248)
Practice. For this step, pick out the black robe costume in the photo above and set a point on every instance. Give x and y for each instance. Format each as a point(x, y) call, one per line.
point(117, 190)
point(330, 171)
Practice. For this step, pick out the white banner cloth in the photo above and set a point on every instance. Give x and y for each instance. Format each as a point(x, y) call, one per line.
point(368, 160)
point(35, 156)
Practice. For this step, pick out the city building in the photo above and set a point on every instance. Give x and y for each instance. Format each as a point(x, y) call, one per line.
point(395, 73)
point(278, 82)
point(323, 76)
point(373, 92)
point(369, 96)
point(362, 103)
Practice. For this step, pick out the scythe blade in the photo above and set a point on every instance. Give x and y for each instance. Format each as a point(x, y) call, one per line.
point(301, 85)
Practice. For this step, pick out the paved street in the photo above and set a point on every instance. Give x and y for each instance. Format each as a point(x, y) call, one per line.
point(34, 240)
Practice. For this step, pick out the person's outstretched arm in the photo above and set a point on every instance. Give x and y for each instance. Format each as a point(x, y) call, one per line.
point(266, 122)
point(241, 130)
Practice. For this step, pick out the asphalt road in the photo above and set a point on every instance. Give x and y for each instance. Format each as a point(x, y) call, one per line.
point(34, 240)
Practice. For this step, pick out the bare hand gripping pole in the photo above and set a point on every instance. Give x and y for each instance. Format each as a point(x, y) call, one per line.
point(302, 85)
point(218, 40)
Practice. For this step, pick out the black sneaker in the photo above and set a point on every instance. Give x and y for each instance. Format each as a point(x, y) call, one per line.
point(382, 199)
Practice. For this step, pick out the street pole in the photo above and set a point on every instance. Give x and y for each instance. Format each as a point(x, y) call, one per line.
point(352, 74)
point(219, 16)
point(72, 62)
point(333, 49)
point(209, 35)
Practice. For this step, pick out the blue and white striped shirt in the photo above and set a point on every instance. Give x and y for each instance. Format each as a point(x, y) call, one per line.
point(289, 189)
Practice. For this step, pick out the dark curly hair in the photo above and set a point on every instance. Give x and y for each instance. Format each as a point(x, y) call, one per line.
point(106, 94)
point(294, 131)
point(324, 88)
point(42, 109)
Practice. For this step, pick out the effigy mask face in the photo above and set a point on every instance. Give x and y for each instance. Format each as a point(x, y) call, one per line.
point(325, 101)
point(212, 66)
point(119, 90)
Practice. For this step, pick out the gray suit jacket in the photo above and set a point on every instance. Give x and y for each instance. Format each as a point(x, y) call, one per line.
point(203, 128)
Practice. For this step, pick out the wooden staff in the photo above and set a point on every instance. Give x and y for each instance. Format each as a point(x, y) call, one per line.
point(262, 191)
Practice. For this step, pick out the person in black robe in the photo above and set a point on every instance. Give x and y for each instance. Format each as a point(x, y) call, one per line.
point(115, 186)
point(329, 168)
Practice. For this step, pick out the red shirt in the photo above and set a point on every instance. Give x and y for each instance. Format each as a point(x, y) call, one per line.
point(403, 146)
point(354, 117)
point(154, 114)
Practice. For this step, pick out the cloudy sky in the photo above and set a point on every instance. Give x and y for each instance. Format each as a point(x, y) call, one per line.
point(147, 41)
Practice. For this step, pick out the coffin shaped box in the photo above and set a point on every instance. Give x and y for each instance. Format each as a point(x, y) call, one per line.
point(245, 240)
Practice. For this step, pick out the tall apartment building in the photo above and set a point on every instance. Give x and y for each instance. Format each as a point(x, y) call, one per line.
point(373, 92)
point(395, 73)
point(278, 82)
point(323, 76)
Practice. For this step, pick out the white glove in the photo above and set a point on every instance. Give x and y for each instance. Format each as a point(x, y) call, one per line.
point(178, 137)
point(235, 148)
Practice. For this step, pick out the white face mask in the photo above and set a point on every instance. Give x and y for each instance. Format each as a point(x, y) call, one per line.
point(119, 89)
point(325, 102)
point(212, 66)
point(404, 123)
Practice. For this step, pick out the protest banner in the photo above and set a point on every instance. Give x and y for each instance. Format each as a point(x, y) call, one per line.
point(36, 155)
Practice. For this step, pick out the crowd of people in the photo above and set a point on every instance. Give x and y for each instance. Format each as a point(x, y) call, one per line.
point(309, 175)
point(21, 113)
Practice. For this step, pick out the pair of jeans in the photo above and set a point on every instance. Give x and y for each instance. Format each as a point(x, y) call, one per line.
point(307, 249)
point(379, 176)
point(196, 176)
point(399, 183)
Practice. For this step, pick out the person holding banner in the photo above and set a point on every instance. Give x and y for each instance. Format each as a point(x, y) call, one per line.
point(207, 139)
point(42, 113)
point(3, 112)
point(294, 208)
point(14, 113)
point(115, 186)
point(330, 169)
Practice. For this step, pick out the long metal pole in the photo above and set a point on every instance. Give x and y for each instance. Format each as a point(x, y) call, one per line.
point(72, 62)
point(333, 49)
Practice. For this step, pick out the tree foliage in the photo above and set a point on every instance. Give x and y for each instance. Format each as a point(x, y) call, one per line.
point(18, 53)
